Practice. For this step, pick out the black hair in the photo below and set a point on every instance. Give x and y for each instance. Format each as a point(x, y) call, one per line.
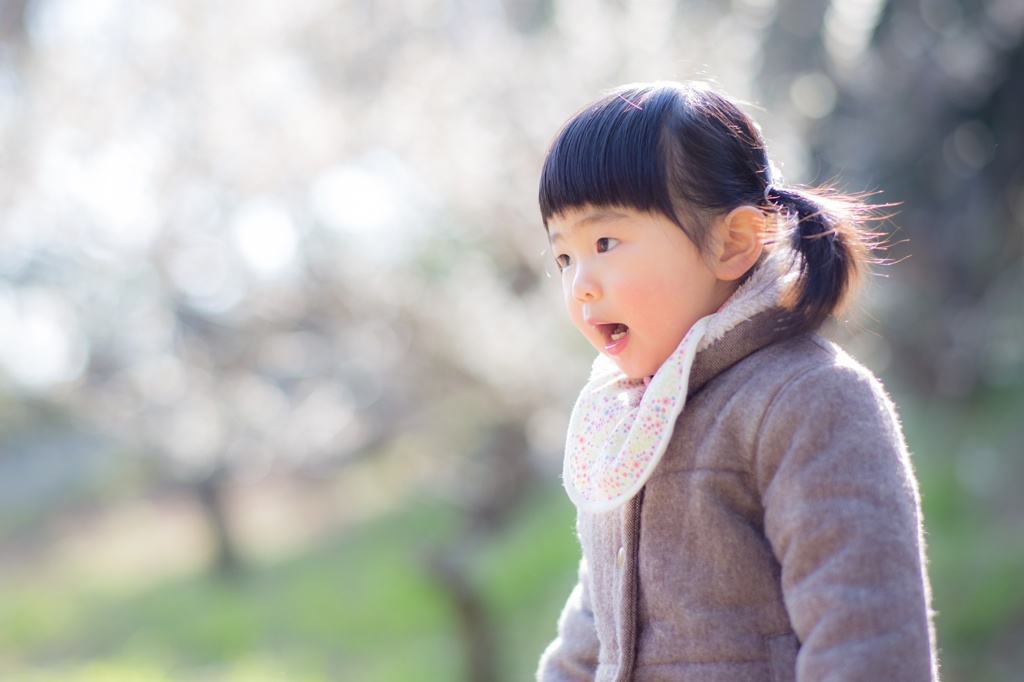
point(689, 153)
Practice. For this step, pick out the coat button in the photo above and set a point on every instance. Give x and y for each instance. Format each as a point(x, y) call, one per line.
point(620, 559)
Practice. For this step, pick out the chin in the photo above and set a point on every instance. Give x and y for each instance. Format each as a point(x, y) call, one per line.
point(634, 372)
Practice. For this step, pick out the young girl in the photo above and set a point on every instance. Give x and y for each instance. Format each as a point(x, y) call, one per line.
point(746, 505)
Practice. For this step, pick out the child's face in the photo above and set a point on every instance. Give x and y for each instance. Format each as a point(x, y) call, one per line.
point(633, 282)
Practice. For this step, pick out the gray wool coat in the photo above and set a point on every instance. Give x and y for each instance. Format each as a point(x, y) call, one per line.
point(778, 539)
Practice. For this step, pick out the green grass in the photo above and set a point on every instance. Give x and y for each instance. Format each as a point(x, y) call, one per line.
point(362, 608)
point(968, 461)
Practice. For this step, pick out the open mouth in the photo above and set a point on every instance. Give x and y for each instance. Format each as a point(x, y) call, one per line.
point(613, 333)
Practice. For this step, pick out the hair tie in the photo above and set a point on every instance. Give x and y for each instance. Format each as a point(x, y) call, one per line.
point(768, 189)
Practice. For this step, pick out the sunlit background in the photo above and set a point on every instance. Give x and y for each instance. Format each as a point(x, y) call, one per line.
point(283, 379)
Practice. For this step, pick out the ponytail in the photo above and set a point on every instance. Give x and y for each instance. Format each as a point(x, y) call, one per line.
point(833, 250)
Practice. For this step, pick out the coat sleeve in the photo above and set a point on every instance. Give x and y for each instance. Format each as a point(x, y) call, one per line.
point(842, 513)
point(572, 656)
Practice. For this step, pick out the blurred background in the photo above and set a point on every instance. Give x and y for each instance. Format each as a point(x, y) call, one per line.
point(284, 379)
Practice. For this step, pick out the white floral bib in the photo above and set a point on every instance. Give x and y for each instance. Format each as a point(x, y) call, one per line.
point(619, 430)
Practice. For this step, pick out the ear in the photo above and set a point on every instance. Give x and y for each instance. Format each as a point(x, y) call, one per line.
point(739, 238)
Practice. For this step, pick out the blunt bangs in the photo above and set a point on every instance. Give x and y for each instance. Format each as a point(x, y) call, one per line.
point(611, 154)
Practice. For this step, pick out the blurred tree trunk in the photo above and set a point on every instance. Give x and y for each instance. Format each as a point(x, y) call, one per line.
point(12, 20)
point(792, 45)
point(492, 500)
point(475, 625)
point(210, 493)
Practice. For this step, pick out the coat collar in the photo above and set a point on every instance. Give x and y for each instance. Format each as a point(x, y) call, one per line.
point(746, 338)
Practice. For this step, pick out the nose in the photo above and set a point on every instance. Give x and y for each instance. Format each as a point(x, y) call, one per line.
point(586, 285)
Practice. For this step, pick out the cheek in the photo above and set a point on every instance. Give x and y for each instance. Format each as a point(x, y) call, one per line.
point(650, 297)
point(667, 305)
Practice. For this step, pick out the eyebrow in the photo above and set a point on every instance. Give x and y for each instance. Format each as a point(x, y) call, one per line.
point(598, 216)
